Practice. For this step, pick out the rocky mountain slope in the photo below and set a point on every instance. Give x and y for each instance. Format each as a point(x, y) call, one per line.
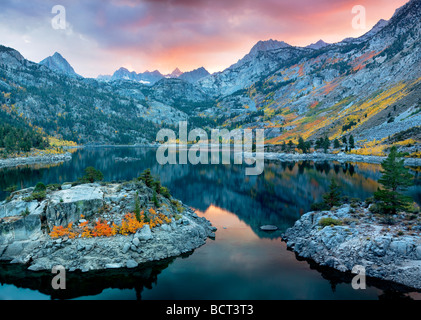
point(357, 83)
point(87, 110)
point(368, 87)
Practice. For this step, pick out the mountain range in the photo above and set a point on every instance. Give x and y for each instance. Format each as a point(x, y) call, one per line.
point(150, 78)
point(368, 87)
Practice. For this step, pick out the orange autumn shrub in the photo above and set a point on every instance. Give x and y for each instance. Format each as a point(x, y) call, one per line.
point(60, 232)
point(130, 224)
point(102, 229)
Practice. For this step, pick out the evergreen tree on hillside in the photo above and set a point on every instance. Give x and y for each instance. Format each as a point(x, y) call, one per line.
point(351, 143)
point(147, 178)
point(395, 179)
point(326, 144)
point(137, 208)
point(303, 145)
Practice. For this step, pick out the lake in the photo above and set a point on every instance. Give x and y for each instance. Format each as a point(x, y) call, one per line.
point(242, 262)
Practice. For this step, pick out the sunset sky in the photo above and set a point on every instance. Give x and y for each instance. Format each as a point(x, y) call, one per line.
point(104, 35)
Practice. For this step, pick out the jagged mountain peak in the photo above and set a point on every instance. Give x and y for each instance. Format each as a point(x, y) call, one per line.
point(194, 75)
point(318, 45)
point(58, 63)
point(123, 69)
point(123, 73)
point(401, 9)
point(175, 74)
point(268, 45)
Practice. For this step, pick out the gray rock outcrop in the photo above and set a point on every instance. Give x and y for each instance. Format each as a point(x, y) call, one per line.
point(385, 251)
point(25, 239)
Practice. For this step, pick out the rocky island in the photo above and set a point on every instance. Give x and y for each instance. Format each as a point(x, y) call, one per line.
point(352, 235)
point(96, 226)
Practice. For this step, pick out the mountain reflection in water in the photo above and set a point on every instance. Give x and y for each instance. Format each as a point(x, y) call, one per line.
point(243, 262)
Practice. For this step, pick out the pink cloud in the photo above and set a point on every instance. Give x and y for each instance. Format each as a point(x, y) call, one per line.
point(164, 34)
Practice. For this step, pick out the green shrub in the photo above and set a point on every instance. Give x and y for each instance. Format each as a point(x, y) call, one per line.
point(40, 187)
point(25, 213)
point(165, 192)
point(54, 187)
point(177, 205)
point(319, 206)
point(11, 188)
point(91, 175)
point(39, 196)
point(369, 201)
point(374, 208)
point(324, 222)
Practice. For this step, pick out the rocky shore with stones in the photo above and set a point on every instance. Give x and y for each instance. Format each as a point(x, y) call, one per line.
point(42, 159)
point(26, 225)
point(340, 157)
point(388, 247)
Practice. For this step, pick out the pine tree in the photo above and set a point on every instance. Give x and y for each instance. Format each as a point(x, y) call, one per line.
point(395, 179)
point(92, 175)
point(351, 143)
point(137, 207)
point(304, 146)
point(155, 200)
point(336, 144)
point(326, 144)
point(333, 197)
point(283, 146)
point(157, 186)
point(147, 178)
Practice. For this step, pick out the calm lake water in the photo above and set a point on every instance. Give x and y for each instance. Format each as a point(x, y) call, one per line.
point(242, 262)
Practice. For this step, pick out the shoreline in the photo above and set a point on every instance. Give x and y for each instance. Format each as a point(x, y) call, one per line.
point(340, 157)
point(42, 159)
point(387, 252)
point(283, 157)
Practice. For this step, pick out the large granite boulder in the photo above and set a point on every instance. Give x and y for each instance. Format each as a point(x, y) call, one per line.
point(20, 228)
point(66, 206)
